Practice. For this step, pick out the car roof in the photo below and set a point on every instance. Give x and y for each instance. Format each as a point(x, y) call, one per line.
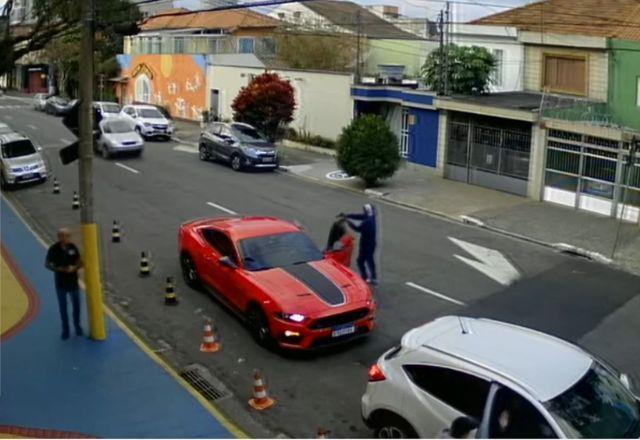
point(544, 365)
point(114, 119)
point(143, 106)
point(239, 228)
point(11, 137)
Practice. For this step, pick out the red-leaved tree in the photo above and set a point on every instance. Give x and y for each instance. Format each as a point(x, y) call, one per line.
point(267, 103)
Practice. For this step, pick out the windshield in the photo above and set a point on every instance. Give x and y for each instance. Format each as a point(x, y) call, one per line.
point(247, 134)
point(110, 108)
point(280, 250)
point(117, 127)
point(17, 149)
point(150, 113)
point(598, 406)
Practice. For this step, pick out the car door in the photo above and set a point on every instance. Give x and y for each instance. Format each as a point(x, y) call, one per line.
point(209, 139)
point(224, 278)
point(508, 414)
point(439, 395)
point(225, 142)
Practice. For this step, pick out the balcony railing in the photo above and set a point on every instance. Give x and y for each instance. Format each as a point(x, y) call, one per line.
point(199, 44)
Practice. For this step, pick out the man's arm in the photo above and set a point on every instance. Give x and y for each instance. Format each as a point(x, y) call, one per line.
point(357, 228)
point(48, 263)
point(356, 216)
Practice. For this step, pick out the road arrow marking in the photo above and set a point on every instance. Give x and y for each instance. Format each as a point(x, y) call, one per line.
point(488, 261)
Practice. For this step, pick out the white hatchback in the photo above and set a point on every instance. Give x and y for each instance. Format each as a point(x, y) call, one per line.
point(147, 121)
point(516, 382)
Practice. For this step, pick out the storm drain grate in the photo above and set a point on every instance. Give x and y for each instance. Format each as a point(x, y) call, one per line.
point(202, 385)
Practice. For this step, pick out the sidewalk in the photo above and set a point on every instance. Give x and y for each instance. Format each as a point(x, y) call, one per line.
point(424, 189)
point(80, 388)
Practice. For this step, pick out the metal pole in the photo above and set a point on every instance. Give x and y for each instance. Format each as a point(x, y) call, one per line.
point(633, 149)
point(446, 56)
point(85, 169)
point(441, 61)
point(358, 49)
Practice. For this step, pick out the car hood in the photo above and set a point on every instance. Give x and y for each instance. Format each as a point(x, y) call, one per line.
point(159, 121)
point(262, 146)
point(21, 161)
point(123, 137)
point(312, 288)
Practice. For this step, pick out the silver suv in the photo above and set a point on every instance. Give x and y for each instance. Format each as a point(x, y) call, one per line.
point(20, 161)
point(515, 382)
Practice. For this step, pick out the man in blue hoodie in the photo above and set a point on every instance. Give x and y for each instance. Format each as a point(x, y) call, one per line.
point(368, 239)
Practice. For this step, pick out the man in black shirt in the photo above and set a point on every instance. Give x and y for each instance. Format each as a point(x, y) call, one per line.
point(63, 258)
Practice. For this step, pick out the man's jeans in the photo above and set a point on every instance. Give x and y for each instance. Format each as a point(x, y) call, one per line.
point(75, 304)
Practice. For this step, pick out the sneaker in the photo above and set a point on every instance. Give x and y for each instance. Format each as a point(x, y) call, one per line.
point(79, 331)
point(65, 335)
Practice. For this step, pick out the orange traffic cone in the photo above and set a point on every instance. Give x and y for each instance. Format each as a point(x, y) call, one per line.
point(323, 433)
point(260, 399)
point(209, 343)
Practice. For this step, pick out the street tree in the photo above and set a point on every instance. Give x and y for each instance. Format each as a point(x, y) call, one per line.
point(267, 103)
point(58, 19)
point(367, 148)
point(468, 69)
point(299, 50)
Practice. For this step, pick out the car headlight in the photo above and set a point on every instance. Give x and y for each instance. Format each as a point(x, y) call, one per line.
point(250, 151)
point(16, 169)
point(147, 124)
point(293, 317)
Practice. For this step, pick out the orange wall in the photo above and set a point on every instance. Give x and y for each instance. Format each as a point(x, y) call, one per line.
point(178, 82)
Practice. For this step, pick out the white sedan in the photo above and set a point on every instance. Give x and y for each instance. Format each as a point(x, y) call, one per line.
point(118, 136)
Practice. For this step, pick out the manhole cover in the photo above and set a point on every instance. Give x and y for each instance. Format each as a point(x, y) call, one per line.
point(339, 175)
point(194, 378)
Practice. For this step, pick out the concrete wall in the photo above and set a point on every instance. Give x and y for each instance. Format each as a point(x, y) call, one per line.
point(409, 53)
point(323, 101)
point(597, 66)
point(624, 74)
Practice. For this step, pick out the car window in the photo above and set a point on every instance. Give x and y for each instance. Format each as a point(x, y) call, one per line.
point(597, 406)
point(150, 113)
point(461, 391)
point(225, 133)
point(214, 129)
point(110, 108)
point(221, 243)
point(247, 134)
point(19, 148)
point(119, 126)
point(513, 416)
point(278, 250)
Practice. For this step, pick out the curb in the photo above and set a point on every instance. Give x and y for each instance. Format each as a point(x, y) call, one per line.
point(304, 147)
point(181, 141)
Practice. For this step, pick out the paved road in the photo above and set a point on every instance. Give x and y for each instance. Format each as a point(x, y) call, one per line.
point(569, 297)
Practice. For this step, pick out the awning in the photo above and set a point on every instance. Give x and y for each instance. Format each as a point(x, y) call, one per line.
point(119, 79)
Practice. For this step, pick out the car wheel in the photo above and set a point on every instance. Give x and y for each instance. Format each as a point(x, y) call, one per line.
point(392, 426)
point(105, 152)
point(236, 162)
point(259, 326)
point(138, 153)
point(189, 272)
point(203, 153)
point(139, 131)
point(3, 182)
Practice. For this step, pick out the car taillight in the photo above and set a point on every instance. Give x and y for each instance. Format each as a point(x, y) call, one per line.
point(376, 374)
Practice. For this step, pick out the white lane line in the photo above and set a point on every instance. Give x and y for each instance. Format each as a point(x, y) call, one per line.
point(133, 170)
point(65, 141)
point(222, 208)
point(186, 149)
point(436, 294)
point(31, 126)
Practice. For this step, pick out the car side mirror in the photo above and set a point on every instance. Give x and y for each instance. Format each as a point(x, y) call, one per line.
point(226, 261)
point(38, 148)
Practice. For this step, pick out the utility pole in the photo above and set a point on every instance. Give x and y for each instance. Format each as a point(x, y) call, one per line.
point(447, 20)
point(442, 55)
point(85, 170)
point(101, 85)
point(358, 21)
point(634, 149)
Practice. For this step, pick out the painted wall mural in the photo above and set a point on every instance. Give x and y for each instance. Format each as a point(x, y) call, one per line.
point(173, 81)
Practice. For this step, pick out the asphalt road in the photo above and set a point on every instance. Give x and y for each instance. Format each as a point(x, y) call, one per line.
point(579, 300)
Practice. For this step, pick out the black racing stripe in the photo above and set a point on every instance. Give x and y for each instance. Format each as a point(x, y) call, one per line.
point(317, 282)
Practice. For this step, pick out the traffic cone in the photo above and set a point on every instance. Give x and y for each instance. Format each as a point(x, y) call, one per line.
point(209, 343)
point(56, 186)
point(145, 270)
point(76, 201)
point(323, 433)
point(260, 399)
point(170, 297)
point(115, 232)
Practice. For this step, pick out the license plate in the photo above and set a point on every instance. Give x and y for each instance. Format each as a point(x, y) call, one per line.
point(343, 330)
point(29, 176)
point(268, 159)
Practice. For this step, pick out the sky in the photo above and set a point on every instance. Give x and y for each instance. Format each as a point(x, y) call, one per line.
point(421, 8)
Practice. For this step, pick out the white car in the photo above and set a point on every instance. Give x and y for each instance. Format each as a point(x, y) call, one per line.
point(515, 382)
point(20, 161)
point(148, 121)
point(39, 101)
point(117, 136)
point(107, 109)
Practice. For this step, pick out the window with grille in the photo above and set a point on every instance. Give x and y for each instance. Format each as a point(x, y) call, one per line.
point(404, 133)
point(565, 74)
point(245, 45)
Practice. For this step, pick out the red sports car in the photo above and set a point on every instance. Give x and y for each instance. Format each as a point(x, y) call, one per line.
point(271, 272)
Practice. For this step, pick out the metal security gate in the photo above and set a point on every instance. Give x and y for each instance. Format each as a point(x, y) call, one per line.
point(404, 133)
point(591, 174)
point(496, 158)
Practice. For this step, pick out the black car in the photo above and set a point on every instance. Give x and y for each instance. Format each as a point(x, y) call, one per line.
point(58, 106)
point(239, 144)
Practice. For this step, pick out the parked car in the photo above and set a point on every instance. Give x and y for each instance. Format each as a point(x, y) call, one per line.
point(107, 109)
point(117, 137)
point(272, 274)
point(240, 144)
point(20, 161)
point(147, 121)
point(39, 101)
point(56, 105)
point(516, 382)
point(160, 108)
